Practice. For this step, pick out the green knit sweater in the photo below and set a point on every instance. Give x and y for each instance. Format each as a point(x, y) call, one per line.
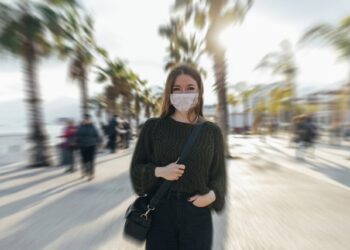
point(160, 143)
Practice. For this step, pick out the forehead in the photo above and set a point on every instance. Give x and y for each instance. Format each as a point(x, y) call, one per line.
point(184, 80)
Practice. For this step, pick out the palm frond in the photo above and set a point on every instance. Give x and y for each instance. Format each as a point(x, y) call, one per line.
point(322, 31)
point(180, 4)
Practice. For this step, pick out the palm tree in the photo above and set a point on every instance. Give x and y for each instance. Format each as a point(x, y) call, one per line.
point(282, 62)
point(277, 100)
point(245, 96)
point(233, 101)
point(78, 45)
point(336, 36)
point(99, 104)
point(147, 102)
point(115, 73)
point(26, 30)
point(181, 49)
point(138, 101)
point(133, 84)
point(157, 101)
point(137, 111)
point(259, 111)
point(214, 16)
point(111, 96)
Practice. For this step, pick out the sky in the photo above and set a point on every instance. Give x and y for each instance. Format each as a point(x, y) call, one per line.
point(129, 30)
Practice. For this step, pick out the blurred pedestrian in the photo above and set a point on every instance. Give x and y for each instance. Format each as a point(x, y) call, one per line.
point(307, 133)
point(62, 147)
point(70, 144)
point(112, 133)
point(295, 126)
point(182, 219)
point(88, 139)
point(127, 134)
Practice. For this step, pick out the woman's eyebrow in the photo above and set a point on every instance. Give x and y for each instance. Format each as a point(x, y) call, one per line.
point(188, 85)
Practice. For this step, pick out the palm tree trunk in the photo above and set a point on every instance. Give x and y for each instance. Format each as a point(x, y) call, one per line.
point(220, 84)
point(148, 111)
point(126, 107)
point(39, 155)
point(84, 92)
point(111, 99)
point(137, 113)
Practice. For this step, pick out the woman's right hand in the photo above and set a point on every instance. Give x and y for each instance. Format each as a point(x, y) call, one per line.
point(171, 172)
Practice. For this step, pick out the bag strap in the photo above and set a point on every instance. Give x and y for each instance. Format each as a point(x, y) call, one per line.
point(183, 157)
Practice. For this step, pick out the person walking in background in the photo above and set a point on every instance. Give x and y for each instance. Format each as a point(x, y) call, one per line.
point(112, 134)
point(88, 139)
point(307, 133)
point(70, 145)
point(310, 134)
point(295, 130)
point(62, 147)
point(127, 134)
point(182, 218)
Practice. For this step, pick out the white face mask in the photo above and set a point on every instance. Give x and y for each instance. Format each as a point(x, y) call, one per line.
point(183, 101)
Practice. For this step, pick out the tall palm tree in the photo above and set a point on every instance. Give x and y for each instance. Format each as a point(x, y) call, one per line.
point(147, 102)
point(138, 101)
point(282, 62)
point(181, 49)
point(133, 84)
point(213, 17)
point(245, 96)
point(99, 104)
point(27, 29)
point(157, 99)
point(259, 111)
point(78, 44)
point(277, 97)
point(115, 73)
point(233, 101)
point(336, 36)
point(111, 96)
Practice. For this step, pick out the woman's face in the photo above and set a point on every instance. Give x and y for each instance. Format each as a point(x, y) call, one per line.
point(184, 84)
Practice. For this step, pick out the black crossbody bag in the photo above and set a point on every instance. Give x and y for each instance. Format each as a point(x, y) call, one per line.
point(139, 214)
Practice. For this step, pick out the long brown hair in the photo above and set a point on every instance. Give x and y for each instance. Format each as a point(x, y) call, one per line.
point(167, 108)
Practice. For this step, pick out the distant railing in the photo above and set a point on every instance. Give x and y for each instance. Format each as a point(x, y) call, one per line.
point(15, 147)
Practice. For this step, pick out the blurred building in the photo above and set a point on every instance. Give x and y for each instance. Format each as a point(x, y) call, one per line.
point(330, 107)
point(209, 112)
point(244, 115)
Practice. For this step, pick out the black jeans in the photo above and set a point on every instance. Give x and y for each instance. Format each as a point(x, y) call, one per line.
point(179, 225)
point(88, 159)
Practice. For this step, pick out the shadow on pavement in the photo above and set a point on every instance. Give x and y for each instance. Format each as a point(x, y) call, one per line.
point(30, 201)
point(21, 187)
point(75, 209)
point(333, 170)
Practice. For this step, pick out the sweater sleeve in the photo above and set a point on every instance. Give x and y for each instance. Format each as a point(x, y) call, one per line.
point(217, 177)
point(142, 169)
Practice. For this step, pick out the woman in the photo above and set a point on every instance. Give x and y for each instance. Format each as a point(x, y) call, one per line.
point(88, 138)
point(182, 219)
